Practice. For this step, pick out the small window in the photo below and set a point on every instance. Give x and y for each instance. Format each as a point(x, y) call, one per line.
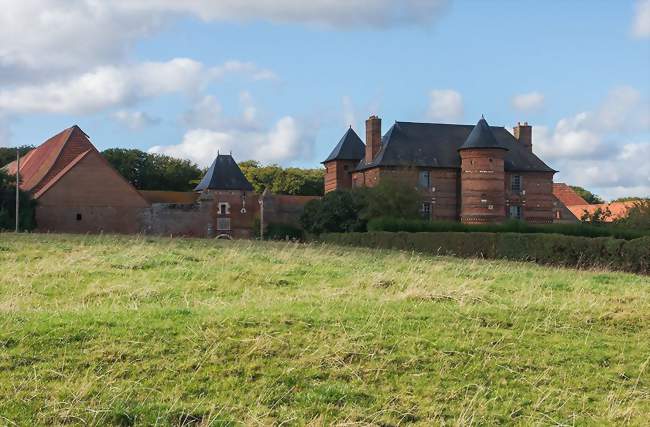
point(424, 179)
point(223, 224)
point(78, 217)
point(515, 212)
point(224, 208)
point(515, 183)
point(346, 167)
point(425, 209)
point(558, 215)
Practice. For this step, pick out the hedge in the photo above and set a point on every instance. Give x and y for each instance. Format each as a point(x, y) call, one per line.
point(554, 249)
point(579, 229)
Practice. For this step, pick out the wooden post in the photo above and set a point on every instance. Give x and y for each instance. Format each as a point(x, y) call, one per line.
point(17, 189)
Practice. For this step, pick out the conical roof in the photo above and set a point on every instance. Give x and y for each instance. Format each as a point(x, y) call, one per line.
point(350, 147)
point(224, 174)
point(482, 137)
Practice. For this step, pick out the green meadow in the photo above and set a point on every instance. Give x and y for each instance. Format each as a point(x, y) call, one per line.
point(107, 330)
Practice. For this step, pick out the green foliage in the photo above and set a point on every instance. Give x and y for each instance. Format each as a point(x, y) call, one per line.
point(8, 154)
point(394, 197)
point(276, 231)
point(350, 210)
point(638, 217)
point(589, 197)
point(512, 226)
point(598, 216)
point(570, 251)
point(293, 181)
point(147, 171)
point(8, 206)
point(337, 211)
point(127, 330)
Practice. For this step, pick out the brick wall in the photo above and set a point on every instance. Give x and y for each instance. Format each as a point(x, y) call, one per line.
point(482, 186)
point(91, 198)
point(338, 174)
point(536, 199)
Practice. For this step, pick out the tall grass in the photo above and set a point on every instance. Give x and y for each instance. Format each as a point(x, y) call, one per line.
point(105, 330)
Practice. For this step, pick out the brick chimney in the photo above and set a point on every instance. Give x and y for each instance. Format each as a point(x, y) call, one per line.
point(373, 137)
point(524, 134)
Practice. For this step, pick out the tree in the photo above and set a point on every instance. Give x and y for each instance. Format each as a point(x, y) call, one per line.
point(391, 198)
point(589, 197)
point(293, 181)
point(638, 217)
point(630, 199)
point(599, 216)
point(337, 211)
point(147, 171)
point(8, 154)
point(8, 205)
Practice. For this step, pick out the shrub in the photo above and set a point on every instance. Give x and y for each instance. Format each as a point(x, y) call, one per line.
point(276, 231)
point(570, 251)
point(337, 211)
point(578, 229)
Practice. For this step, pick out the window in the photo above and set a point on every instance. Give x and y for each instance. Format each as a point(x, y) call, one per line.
point(224, 208)
point(424, 179)
point(425, 209)
point(223, 224)
point(78, 217)
point(515, 212)
point(515, 183)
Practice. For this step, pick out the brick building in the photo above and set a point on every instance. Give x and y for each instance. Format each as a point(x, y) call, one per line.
point(474, 174)
point(78, 191)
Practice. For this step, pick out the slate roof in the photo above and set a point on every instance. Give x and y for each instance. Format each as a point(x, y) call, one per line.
point(350, 147)
point(435, 145)
point(224, 174)
point(481, 137)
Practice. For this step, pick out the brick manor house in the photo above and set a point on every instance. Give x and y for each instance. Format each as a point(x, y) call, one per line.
point(473, 174)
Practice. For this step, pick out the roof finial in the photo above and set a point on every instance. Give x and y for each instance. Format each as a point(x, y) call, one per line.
point(218, 152)
point(482, 116)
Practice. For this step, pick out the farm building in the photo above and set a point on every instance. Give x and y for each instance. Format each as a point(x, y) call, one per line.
point(78, 191)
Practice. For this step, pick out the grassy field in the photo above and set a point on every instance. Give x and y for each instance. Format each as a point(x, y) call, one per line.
point(142, 331)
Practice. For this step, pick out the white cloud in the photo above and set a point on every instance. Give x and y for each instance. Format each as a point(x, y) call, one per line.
point(40, 39)
point(135, 120)
point(111, 86)
point(530, 101)
point(603, 150)
point(287, 140)
point(446, 105)
point(5, 134)
point(641, 25)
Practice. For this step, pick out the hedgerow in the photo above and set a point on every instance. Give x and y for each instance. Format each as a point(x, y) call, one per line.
point(554, 249)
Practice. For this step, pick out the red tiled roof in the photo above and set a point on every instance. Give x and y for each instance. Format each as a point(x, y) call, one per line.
point(45, 162)
point(567, 195)
point(618, 209)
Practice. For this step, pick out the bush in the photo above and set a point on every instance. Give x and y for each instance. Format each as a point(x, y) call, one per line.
point(554, 249)
point(578, 229)
point(337, 211)
point(282, 231)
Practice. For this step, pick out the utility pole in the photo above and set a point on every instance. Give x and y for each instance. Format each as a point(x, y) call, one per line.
point(17, 189)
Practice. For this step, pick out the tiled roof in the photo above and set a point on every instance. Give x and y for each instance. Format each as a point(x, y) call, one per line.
point(224, 174)
point(567, 195)
point(617, 209)
point(45, 162)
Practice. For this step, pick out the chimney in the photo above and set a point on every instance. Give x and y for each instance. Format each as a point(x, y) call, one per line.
point(524, 134)
point(373, 137)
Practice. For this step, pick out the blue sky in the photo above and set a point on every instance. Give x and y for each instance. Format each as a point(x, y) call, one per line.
point(281, 83)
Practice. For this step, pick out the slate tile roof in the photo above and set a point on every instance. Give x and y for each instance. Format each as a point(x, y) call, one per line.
point(350, 147)
point(224, 174)
point(435, 145)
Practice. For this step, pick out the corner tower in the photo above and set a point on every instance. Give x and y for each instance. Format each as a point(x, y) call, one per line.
point(482, 177)
point(343, 159)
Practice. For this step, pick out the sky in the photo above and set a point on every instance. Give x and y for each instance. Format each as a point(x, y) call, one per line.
point(280, 81)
